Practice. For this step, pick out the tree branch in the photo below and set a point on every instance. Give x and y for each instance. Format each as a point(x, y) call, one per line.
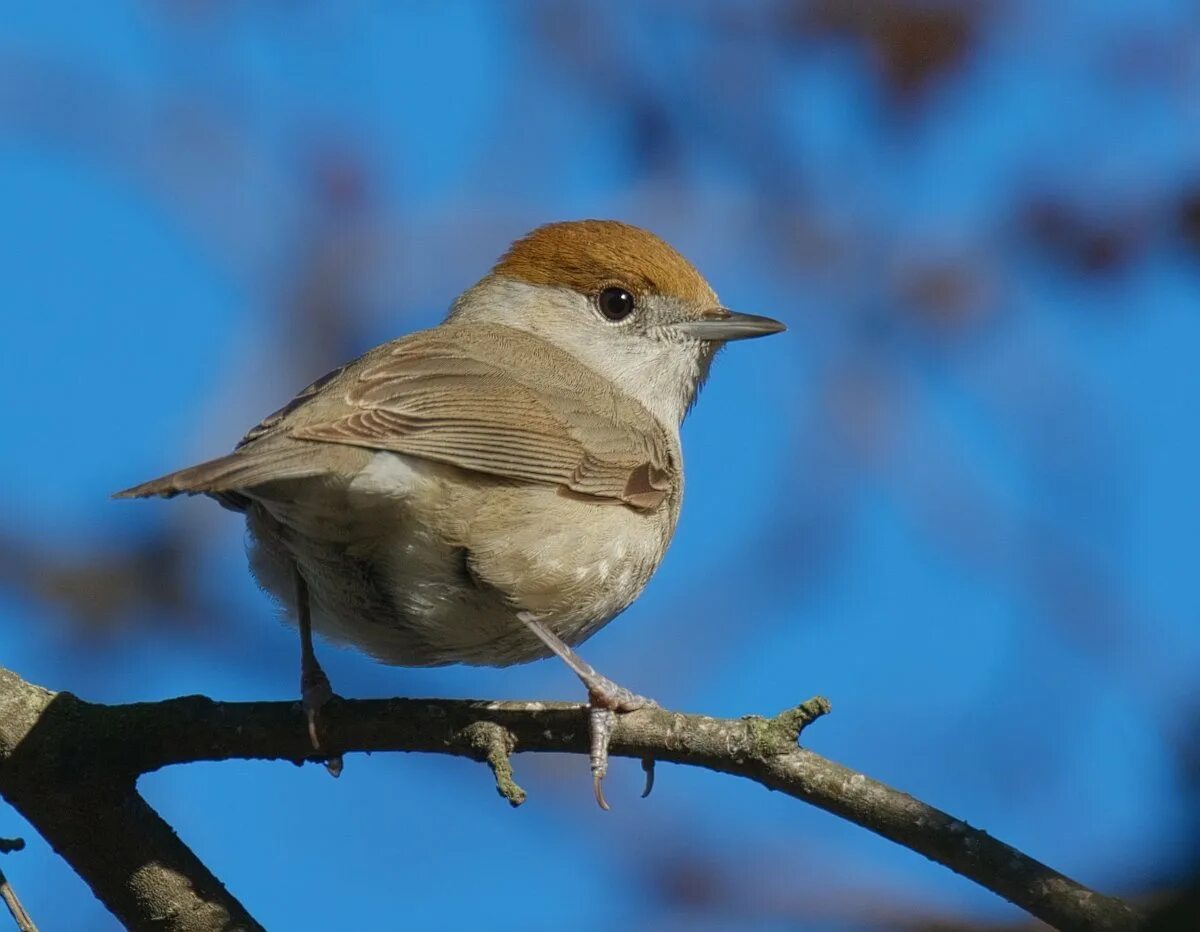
point(62, 770)
point(70, 766)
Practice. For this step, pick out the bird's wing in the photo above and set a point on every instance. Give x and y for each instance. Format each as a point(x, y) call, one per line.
point(265, 454)
point(272, 422)
point(468, 398)
point(484, 398)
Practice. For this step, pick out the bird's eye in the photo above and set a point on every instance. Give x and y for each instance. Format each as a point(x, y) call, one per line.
point(615, 303)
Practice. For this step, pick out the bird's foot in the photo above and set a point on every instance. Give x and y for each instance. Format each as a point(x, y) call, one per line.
point(605, 700)
point(315, 694)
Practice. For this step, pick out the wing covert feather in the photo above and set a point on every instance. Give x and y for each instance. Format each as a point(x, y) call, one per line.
point(468, 402)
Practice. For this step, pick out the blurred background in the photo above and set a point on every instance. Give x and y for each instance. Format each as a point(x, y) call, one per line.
point(964, 506)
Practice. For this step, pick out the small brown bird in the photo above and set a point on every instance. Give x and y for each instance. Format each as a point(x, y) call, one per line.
point(497, 488)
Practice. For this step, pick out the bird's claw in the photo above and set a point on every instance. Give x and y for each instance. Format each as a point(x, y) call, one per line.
point(315, 693)
point(603, 693)
point(606, 699)
point(648, 769)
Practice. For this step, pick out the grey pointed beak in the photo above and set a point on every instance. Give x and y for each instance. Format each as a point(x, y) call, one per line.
point(720, 324)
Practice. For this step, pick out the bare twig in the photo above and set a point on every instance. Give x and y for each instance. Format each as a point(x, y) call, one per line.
point(8, 894)
point(24, 923)
point(493, 745)
point(141, 855)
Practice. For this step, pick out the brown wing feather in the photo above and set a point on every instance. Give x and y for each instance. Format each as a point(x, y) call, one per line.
point(232, 472)
point(467, 402)
point(458, 394)
point(272, 421)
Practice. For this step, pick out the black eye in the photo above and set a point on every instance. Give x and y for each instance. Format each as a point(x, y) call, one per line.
point(615, 303)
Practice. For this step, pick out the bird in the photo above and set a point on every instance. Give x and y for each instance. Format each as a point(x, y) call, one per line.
point(497, 488)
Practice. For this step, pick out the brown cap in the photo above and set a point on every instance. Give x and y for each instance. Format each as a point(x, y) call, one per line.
point(589, 255)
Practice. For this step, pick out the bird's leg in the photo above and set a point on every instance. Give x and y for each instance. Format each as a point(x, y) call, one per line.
point(605, 699)
point(315, 690)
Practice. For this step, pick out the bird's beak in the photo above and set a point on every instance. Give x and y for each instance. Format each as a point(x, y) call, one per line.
point(720, 324)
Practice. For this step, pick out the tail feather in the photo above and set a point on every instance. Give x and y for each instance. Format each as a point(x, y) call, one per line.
point(237, 471)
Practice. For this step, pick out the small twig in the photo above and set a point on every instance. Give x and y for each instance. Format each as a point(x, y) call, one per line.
point(20, 917)
point(794, 721)
point(9, 845)
point(494, 745)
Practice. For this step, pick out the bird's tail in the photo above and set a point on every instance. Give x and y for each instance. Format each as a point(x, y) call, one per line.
point(232, 473)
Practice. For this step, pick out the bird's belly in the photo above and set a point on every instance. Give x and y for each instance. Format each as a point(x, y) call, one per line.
point(461, 605)
point(441, 578)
